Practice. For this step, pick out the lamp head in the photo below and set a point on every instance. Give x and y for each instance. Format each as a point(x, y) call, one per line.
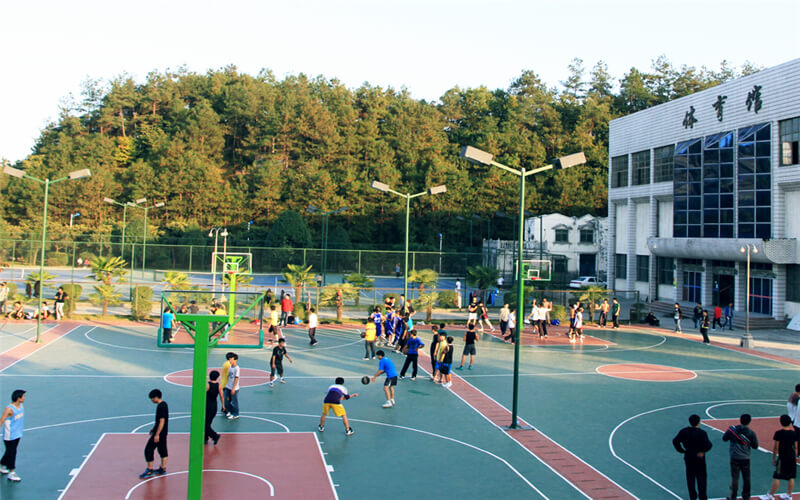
point(569, 161)
point(380, 186)
point(755, 249)
point(109, 200)
point(159, 204)
point(225, 233)
point(437, 189)
point(312, 209)
point(211, 232)
point(80, 174)
point(140, 201)
point(476, 155)
point(13, 172)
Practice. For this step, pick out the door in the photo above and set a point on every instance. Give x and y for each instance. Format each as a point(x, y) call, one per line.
point(587, 264)
point(723, 293)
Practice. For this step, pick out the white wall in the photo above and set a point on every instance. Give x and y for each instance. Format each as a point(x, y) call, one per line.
point(621, 244)
point(792, 199)
point(665, 210)
point(666, 293)
point(791, 309)
point(642, 228)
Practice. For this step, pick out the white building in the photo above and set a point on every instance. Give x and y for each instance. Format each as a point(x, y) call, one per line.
point(694, 180)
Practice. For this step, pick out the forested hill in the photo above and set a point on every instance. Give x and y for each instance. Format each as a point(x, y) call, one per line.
point(225, 148)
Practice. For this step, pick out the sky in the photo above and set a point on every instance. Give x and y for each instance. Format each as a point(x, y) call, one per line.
point(50, 47)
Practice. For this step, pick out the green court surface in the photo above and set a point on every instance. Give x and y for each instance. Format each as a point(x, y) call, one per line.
point(435, 442)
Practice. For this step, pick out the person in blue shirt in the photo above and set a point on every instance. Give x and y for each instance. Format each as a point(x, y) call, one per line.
point(728, 317)
point(386, 366)
point(167, 318)
point(412, 356)
point(377, 318)
point(389, 324)
point(397, 327)
point(12, 423)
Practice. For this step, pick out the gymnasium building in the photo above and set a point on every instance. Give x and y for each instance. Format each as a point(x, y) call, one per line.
point(694, 182)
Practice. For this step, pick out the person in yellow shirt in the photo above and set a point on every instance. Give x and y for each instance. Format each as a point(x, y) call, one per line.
point(441, 351)
point(274, 321)
point(226, 367)
point(370, 336)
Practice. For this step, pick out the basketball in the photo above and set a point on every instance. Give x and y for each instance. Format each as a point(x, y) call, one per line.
point(363, 334)
point(365, 380)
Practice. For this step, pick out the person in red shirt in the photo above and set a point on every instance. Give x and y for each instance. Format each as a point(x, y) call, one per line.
point(286, 308)
point(717, 318)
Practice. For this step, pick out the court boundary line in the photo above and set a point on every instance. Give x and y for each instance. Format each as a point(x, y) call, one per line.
point(645, 371)
point(80, 467)
point(42, 346)
point(181, 472)
point(328, 468)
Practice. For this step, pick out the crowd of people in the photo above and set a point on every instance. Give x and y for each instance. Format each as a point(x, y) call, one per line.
point(705, 320)
point(18, 311)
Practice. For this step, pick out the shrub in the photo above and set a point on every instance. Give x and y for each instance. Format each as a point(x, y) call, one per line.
point(57, 259)
point(395, 296)
point(73, 296)
point(559, 313)
point(300, 311)
point(447, 299)
point(142, 303)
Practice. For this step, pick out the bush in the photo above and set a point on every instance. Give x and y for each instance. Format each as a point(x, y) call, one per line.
point(142, 303)
point(300, 311)
point(57, 259)
point(395, 296)
point(73, 296)
point(559, 313)
point(448, 299)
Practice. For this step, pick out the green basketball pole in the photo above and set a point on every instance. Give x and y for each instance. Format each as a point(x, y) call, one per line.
point(232, 301)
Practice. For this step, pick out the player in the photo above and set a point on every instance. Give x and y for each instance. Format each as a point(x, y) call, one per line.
point(333, 401)
point(447, 362)
point(389, 326)
point(274, 323)
point(377, 319)
point(13, 425)
point(369, 340)
point(158, 437)
point(386, 366)
point(312, 327)
point(276, 362)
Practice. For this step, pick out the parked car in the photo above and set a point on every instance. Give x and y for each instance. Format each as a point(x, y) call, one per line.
point(584, 281)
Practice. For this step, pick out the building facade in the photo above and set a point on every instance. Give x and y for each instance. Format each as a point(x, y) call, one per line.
point(696, 181)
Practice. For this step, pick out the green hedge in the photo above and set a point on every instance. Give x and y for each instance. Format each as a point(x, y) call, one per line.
point(56, 259)
point(73, 296)
point(142, 304)
point(448, 299)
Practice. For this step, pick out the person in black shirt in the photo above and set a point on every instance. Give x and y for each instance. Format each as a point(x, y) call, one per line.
point(434, 346)
point(276, 362)
point(213, 391)
point(783, 457)
point(693, 442)
point(158, 437)
point(469, 346)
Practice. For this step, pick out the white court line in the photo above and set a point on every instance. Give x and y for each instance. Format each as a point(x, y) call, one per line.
point(44, 346)
point(86, 459)
point(644, 372)
point(182, 472)
point(285, 428)
point(26, 340)
point(554, 374)
point(611, 436)
point(327, 467)
point(708, 410)
point(181, 350)
point(90, 420)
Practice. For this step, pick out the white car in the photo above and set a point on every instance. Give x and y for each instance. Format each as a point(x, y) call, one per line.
point(584, 281)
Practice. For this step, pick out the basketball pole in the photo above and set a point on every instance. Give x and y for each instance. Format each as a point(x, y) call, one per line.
point(198, 416)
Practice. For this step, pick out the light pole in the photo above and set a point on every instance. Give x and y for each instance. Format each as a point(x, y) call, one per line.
point(215, 232)
point(440, 253)
point(380, 186)
point(747, 338)
point(477, 156)
point(124, 219)
point(15, 172)
point(140, 203)
point(325, 215)
point(72, 216)
point(488, 224)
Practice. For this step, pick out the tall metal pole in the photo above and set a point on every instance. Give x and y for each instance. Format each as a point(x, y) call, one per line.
point(541, 239)
point(197, 422)
point(325, 217)
point(405, 267)
point(214, 263)
point(520, 300)
point(124, 217)
point(144, 241)
point(41, 261)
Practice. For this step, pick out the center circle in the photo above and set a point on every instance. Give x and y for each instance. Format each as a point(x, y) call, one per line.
point(646, 372)
point(248, 377)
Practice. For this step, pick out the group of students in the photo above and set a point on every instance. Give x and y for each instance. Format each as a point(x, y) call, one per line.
point(693, 443)
point(18, 309)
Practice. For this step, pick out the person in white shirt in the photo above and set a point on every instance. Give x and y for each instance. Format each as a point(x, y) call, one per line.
point(458, 294)
point(793, 406)
point(533, 317)
point(504, 319)
point(231, 390)
point(512, 324)
point(312, 326)
point(578, 325)
point(544, 308)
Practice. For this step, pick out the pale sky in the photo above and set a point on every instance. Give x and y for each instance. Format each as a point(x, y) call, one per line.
point(49, 47)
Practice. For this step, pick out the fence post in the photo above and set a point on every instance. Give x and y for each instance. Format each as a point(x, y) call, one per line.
point(413, 260)
point(191, 247)
point(72, 277)
point(359, 262)
point(14, 251)
point(304, 257)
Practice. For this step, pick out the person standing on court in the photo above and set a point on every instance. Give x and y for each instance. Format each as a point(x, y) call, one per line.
point(412, 356)
point(386, 366)
point(615, 309)
point(276, 362)
point(728, 316)
point(397, 270)
point(604, 307)
point(12, 421)
point(793, 407)
point(693, 442)
point(784, 458)
point(60, 298)
point(213, 391)
point(705, 320)
point(158, 437)
point(677, 316)
point(333, 402)
point(3, 297)
point(742, 439)
point(697, 313)
point(286, 308)
point(504, 311)
point(231, 390)
point(312, 327)
point(167, 318)
point(469, 346)
point(458, 294)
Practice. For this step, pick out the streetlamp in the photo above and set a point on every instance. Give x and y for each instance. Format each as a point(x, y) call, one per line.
point(15, 172)
point(215, 232)
point(124, 218)
point(440, 253)
point(380, 186)
point(479, 157)
point(325, 215)
point(140, 203)
point(747, 338)
point(72, 216)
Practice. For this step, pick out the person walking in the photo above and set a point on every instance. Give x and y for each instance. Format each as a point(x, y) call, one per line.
point(544, 313)
point(728, 316)
point(434, 348)
point(717, 318)
point(784, 458)
point(412, 356)
point(693, 443)
point(312, 327)
point(213, 391)
point(369, 340)
point(333, 403)
point(286, 309)
point(167, 319)
point(470, 336)
point(615, 309)
point(231, 389)
point(677, 315)
point(472, 310)
point(158, 437)
point(705, 320)
point(512, 325)
point(504, 319)
point(386, 366)
point(604, 307)
point(741, 439)
point(60, 298)
point(484, 317)
point(276, 362)
point(697, 313)
point(12, 423)
point(533, 318)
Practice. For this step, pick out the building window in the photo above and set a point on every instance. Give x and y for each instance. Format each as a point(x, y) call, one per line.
point(761, 295)
point(621, 266)
point(692, 286)
point(587, 236)
point(718, 186)
point(793, 276)
point(664, 270)
point(640, 163)
point(688, 189)
point(559, 264)
point(643, 268)
point(662, 163)
point(790, 138)
point(754, 182)
point(619, 171)
point(562, 235)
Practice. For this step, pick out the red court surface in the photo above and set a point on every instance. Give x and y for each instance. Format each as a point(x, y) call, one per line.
point(763, 427)
point(646, 372)
point(556, 335)
point(247, 377)
point(243, 333)
point(244, 466)
point(50, 334)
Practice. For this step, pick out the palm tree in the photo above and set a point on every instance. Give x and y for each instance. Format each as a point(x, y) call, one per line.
point(482, 278)
point(360, 281)
point(337, 294)
point(425, 277)
point(297, 277)
point(427, 300)
point(104, 270)
point(176, 280)
point(591, 295)
point(34, 278)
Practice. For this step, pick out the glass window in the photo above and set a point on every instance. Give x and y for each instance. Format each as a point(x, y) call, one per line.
point(663, 163)
point(664, 270)
point(688, 185)
point(643, 268)
point(640, 163)
point(587, 236)
point(619, 171)
point(559, 264)
point(789, 140)
point(793, 276)
point(717, 181)
point(621, 266)
point(562, 235)
point(692, 286)
point(753, 191)
point(761, 295)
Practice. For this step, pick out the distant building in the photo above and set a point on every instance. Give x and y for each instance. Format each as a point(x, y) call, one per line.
point(694, 180)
